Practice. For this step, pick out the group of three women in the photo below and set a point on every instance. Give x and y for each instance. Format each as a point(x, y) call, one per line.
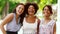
point(24, 16)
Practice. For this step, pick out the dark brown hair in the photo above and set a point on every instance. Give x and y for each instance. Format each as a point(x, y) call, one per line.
point(22, 15)
point(49, 7)
point(33, 4)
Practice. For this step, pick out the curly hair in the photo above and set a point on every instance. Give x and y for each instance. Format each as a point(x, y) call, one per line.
point(33, 4)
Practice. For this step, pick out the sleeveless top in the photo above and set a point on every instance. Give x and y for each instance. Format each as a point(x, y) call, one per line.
point(12, 25)
point(46, 28)
point(29, 28)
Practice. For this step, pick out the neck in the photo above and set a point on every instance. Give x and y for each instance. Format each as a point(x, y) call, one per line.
point(47, 18)
point(17, 16)
point(31, 16)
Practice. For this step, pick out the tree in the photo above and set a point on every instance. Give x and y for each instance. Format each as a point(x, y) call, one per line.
point(6, 9)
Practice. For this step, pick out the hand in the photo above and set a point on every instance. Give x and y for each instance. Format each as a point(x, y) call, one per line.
point(4, 33)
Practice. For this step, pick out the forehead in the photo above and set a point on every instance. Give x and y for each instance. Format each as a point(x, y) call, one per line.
point(31, 6)
point(20, 6)
point(46, 7)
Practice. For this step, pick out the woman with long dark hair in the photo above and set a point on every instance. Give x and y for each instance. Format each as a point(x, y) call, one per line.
point(14, 20)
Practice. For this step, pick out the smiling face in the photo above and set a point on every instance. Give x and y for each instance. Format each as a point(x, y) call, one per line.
point(19, 9)
point(31, 10)
point(46, 12)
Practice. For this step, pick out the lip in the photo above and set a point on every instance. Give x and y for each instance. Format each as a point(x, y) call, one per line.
point(19, 11)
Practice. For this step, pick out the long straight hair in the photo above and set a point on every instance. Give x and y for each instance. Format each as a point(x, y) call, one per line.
point(22, 15)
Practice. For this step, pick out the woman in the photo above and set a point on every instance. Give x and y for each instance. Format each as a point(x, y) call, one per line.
point(47, 25)
point(14, 20)
point(30, 21)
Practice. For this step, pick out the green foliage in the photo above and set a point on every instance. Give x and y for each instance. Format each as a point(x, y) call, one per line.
point(12, 3)
point(37, 1)
point(11, 6)
point(46, 2)
point(2, 4)
point(54, 1)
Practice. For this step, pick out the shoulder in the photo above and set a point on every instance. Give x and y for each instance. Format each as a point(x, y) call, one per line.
point(38, 20)
point(53, 21)
point(7, 19)
point(9, 16)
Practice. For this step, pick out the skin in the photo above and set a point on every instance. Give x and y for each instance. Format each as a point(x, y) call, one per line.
point(9, 17)
point(47, 18)
point(31, 18)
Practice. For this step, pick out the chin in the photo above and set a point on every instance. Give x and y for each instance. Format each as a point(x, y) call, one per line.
point(18, 14)
point(31, 13)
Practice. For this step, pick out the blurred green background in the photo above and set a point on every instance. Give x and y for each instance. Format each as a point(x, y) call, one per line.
point(6, 6)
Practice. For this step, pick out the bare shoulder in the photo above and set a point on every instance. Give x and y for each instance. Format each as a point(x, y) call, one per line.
point(8, 18)
point(38, 20)
point(10, 15)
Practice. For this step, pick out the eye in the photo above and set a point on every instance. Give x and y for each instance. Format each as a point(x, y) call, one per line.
point(19, 7)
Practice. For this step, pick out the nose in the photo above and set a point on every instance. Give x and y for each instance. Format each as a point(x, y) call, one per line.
point(46, 11)
point(20, 10)
point(31, 8)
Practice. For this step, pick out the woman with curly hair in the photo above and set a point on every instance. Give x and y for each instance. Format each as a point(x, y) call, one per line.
point(30, 21)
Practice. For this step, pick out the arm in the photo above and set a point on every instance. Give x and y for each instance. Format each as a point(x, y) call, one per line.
point(38, 26)
point(54, 30)
point(6, 20)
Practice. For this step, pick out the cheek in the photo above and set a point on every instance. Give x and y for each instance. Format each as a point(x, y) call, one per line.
point(44, 12)
point(17, 9)
point(22, 11)
point(34, 10)
point(49, 12)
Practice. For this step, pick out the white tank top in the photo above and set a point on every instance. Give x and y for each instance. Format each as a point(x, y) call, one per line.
point(29, 28)
point(46, 28)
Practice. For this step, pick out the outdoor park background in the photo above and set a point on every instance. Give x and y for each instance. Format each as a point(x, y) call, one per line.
point(6, 7)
